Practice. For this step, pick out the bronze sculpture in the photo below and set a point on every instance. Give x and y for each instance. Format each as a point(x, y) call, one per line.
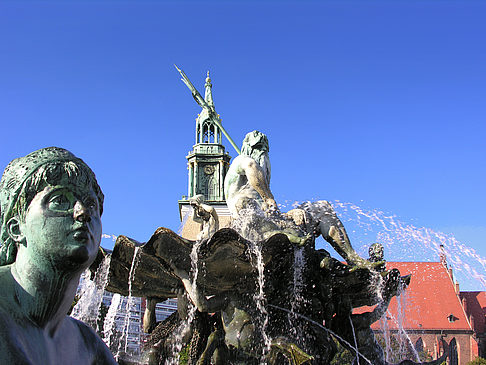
point(51, 230)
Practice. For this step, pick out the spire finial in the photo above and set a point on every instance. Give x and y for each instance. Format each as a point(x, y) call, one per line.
point(208, 94)
point(208, 81)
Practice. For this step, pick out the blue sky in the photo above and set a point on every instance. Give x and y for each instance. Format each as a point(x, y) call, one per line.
point(376, 103)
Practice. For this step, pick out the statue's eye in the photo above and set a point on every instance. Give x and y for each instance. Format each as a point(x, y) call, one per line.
point(59, 202)
point(91, 204)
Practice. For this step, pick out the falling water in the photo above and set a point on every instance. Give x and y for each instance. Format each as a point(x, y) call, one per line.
point(386, 337)
point(110, 319)
point(297, 291)
point(407, 242)
point(299, 263)
point(88, 307)
point(248, 225)
point(404, 241)
point(405, 342)
point(186, 325)
point(259, 296)
point(335, 335)
point(355, 341)
point(129, 303)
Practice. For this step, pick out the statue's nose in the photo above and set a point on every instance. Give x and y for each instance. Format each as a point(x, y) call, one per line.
point(81, 213)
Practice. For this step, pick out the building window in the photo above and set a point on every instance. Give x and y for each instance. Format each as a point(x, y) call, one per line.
point(452, 318)
point(419, 345)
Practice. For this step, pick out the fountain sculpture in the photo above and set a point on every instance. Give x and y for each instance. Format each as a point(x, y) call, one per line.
point(257, 291)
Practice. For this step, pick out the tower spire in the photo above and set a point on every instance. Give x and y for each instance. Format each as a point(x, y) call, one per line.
point(208, 95)
point(208, 113)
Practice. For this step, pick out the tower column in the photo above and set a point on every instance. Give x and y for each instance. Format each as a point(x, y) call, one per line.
point(191, 179)
point(195, 182)
point(221, 180)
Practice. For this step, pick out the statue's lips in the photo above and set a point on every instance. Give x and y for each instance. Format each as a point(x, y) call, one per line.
point(81, 234)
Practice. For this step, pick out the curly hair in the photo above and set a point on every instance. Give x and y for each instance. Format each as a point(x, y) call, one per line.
point(253, 139)
point(26, 176)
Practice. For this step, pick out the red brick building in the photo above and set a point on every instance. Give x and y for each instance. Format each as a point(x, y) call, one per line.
point(474, 303)
point(433, 308)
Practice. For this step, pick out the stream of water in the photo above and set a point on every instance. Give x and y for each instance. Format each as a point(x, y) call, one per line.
point(185, 326)
point(128, 306)
point(408, 242)
point(259, 297)
point(402, 242)
point(298, 299)
point(109, 327)
point(91, 294)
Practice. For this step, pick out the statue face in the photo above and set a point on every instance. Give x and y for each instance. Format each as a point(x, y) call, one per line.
point(62, 226)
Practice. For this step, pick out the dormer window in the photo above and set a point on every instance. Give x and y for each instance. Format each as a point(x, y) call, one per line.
point(451, 318)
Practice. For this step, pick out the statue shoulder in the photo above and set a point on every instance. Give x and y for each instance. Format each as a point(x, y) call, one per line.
point(94, 344)
point(240, 163)
point(12, 341)
point(7, 299)
point(5, 274)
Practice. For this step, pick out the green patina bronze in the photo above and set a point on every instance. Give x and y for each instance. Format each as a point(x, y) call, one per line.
point(228, 278)
point(50, 231)
point(287, 329)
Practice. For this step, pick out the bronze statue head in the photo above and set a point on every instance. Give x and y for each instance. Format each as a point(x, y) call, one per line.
point(54, 171)
point(255, 145)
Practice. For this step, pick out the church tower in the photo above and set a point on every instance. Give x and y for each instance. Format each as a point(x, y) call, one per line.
point(207, 162)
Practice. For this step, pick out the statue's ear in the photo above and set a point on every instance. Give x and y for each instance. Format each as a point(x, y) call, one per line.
point(13, 229)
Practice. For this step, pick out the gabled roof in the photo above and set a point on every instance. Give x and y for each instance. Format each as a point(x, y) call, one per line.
point(476, 307)
point(429, 303)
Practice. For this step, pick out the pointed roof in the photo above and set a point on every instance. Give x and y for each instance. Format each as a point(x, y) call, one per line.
point(429, 303)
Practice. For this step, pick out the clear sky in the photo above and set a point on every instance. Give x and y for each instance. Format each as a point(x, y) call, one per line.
point(376, 103)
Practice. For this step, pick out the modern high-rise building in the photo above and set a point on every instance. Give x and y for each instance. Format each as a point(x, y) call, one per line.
point(128, 321)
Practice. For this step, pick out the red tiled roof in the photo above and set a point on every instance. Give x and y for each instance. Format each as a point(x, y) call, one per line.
point(476, 307)
point(427, 303)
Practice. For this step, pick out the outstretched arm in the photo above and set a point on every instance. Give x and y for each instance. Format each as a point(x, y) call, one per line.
point(333, 231)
